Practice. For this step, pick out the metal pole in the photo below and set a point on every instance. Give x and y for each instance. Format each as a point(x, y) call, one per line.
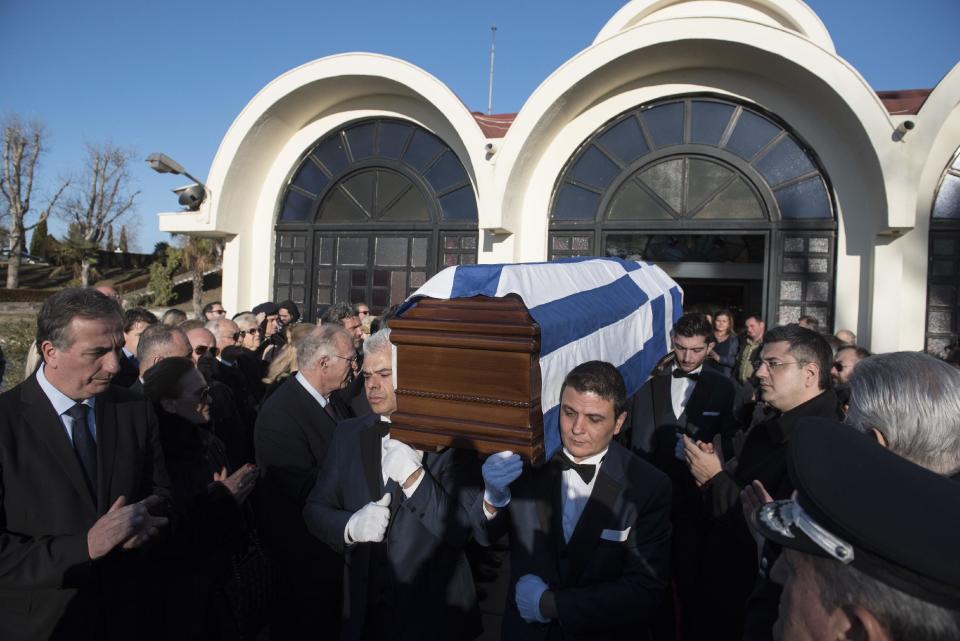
point(493, 39)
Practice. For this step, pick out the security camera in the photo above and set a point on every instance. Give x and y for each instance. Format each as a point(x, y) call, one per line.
point(902, 129)
point(490, 148)
point(191, 196)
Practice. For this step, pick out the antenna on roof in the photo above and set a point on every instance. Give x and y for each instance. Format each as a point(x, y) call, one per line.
point(493, 42)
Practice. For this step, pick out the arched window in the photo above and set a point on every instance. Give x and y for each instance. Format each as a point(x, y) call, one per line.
point(943, 272)
point(369, 213)
point(714, 190)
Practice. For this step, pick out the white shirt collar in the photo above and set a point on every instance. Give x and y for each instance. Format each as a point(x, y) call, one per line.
point(696, 371)
point(60, 401)
point(311, 389)
point(590, 460)
point(127, 352)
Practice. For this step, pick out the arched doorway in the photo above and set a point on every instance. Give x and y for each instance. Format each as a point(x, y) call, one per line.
point(723, 196)
point(369, 213)
point(943, 273)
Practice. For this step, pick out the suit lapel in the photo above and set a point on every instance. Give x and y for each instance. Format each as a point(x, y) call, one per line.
point(370, 457)
point(662, 400)
point(596, 514)
point(43, 420)
point(105, 415)
point(545, 486)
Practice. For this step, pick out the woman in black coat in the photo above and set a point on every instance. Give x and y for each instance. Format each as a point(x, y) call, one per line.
point(211, 525)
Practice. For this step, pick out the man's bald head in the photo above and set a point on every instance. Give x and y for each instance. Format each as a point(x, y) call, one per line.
point(159, 342)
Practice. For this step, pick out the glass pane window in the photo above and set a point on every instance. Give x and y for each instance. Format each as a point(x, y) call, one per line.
point(393, 138)
point(330, 152)
point(423, 149)
point(947, 203)
point(446, 172)
point(633, 202)
point(594, 168)
point(575, 203)
point(785, 161)
point(753, 133)
point(296, 207)
point(360, 139)
point(665, 124)
point(625, 140)
point(703, 180)
point(459, 205)
point(805, 199)
point(709, 121)
point(311, 178)
point(665, 179)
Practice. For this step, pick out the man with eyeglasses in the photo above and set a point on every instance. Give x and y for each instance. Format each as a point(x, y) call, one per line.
point(400, 518)
point(213, 311)
point(292, 435)
point(794, 380)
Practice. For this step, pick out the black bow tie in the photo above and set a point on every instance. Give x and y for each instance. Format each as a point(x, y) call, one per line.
point(585, 470)
point(679, 373)
point(384, 429)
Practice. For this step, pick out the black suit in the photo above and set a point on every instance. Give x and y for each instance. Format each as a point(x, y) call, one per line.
point(730, 547)
point(415, 585)
point(291, 438)
point(652, 433)
point(605, 589)
point(49, 588)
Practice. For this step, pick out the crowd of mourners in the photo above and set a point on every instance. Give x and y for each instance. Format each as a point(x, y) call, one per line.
point(233, 477)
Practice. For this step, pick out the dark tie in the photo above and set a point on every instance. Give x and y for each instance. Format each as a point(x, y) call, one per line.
point(586, 471)
point(84, 445)
point(679, 373)
point(328, 408)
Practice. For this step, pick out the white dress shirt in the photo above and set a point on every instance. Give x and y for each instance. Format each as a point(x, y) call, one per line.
point(681, 389)
point(574, 493)
point(311, 390)
point(62, 403)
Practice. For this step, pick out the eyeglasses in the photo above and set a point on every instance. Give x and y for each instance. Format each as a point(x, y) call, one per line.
point(218, 312)
point(352, 360)
point(237, 335)
point(200, 350)
point(774, 365)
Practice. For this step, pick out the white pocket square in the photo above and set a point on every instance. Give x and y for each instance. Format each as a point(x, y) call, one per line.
point(615, 535)
point(711, 413)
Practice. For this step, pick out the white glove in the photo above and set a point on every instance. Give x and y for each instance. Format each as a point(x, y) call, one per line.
point(530, 589)
point(369, 523)
point(400, 460)
point(499, 471)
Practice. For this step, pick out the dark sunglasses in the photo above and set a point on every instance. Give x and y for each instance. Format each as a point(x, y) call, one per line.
point(838, 366)
point(200, 350)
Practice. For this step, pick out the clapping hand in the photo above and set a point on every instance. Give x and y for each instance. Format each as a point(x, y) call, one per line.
point(499, 471)
point(131, 525)
point(703, 459)
point(240, 483)
point(369, 523)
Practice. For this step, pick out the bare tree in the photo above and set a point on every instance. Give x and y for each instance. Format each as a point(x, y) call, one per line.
point(22, 146)
point(103, 196)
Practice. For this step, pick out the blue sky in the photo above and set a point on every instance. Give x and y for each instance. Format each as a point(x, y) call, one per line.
point(171, 76)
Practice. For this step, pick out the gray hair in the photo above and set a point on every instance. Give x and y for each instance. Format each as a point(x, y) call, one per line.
point(155, 338)
point(59, 310)
point(903, 616)
point(247, 318)
point(913, 399)
point(319, 343)
point(377, 342)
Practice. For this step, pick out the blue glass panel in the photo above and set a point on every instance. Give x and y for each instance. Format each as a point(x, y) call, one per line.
point(575, 203)
point(625, 140)
point(296, 207)
point(665, 124)
point(785, 161)
point(423, 148)
point(446, 172)
point(751, 134)
point(595, 169)
point(361, 140)
point(708, 121)
point(331, 153)
point(393, 136)
point(805, 199)
point(947, 204)
point(459, 205)
point(311, 178)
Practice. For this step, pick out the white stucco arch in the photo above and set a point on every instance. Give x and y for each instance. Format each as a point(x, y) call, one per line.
point(819, 95)
point(282, 121)
point(793, 15)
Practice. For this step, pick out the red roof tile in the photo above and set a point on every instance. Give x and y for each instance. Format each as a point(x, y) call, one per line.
point(900, 102)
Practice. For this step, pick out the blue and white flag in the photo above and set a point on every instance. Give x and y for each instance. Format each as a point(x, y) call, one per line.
point(604, 309)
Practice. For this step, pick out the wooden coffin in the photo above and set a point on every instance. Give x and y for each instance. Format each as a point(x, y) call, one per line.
point(468, 374)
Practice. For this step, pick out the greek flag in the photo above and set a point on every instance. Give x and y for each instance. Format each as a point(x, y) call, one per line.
point(605, 309)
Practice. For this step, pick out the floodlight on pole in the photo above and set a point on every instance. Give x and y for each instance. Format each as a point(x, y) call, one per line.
point(190, 196)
